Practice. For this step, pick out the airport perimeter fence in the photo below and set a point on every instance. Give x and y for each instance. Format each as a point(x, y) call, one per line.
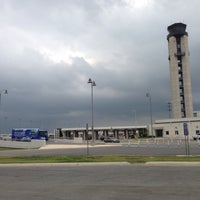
point(129, 142)
point(160, 142)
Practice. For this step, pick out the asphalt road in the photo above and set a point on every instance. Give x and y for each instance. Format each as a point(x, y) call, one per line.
point(99, 181)
point(120, 149)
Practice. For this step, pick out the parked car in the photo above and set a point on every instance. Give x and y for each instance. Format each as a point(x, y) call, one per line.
point(102, 137)
point(196, 137)
point(111, 140)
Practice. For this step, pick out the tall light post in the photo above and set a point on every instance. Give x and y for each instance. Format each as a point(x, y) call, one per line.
point(92, 83)
point(148, 95)
point(3, 92)
point(134, 116)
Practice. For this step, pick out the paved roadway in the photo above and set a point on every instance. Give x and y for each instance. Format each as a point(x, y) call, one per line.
point(114, 181)
point(134, 148)
point(99, 181)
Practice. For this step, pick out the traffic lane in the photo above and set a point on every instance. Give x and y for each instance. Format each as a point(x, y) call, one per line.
point(99, 182)
point(109, 150)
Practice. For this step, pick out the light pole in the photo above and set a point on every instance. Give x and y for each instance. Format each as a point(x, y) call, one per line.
point(5, 124)
point(3, 92)
point(148, 95)
point(92, 83)
point(134, 116)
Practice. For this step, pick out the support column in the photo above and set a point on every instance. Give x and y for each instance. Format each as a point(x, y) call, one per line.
point(126, 134)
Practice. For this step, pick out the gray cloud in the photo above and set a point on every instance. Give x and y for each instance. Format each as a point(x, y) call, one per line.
point(49, 49)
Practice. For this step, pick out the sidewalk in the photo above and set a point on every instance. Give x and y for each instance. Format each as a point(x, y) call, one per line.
point(74, 146)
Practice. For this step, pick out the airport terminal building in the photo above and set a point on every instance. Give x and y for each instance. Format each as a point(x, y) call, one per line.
point(174, 128)
point(167, 128)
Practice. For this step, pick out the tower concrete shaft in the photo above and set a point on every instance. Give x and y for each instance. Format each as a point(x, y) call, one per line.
point(181, 94)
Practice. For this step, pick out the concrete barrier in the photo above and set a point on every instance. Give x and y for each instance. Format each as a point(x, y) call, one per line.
point(78, 140)
point(23, 145)
point(68, 141)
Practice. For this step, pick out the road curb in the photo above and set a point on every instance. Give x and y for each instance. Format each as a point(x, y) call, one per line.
point(172, 163)
point(66, 164)
point(101, 164)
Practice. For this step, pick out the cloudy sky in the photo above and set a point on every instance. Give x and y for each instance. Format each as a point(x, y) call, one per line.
point(50, 48)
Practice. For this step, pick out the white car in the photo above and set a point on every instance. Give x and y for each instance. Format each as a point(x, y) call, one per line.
point(196, 137)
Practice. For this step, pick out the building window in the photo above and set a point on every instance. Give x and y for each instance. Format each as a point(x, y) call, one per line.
point(167, 132)
point(195, 114)
point(176, 133)
point(197, 131)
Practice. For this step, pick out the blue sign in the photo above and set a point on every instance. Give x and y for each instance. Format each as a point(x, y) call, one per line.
point(185, 128)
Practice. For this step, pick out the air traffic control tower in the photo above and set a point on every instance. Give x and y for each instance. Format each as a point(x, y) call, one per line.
point(181, 94)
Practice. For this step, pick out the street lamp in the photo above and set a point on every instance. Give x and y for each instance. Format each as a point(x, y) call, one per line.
point(148, 95)
point(3, 92)
point(92, 83)
point(134, 116)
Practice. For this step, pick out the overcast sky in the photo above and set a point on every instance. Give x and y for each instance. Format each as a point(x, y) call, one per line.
point(50, 48)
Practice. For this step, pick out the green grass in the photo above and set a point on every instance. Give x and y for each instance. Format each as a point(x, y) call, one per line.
point(109, 158)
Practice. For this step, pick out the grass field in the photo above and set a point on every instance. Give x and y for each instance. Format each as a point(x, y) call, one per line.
point(109, 158)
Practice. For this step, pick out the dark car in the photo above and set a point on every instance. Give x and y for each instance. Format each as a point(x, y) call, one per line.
point(111, 140)
point(196, 137)
point(102, 137)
